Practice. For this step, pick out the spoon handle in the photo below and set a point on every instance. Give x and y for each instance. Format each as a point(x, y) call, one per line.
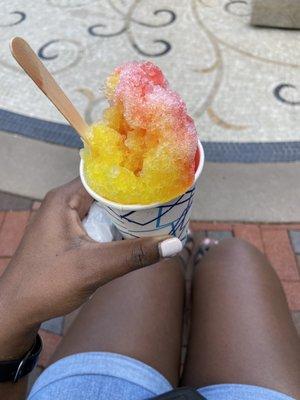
point(32, 65)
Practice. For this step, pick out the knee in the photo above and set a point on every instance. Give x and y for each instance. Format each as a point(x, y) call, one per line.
point(236, 254)
point(237, 247)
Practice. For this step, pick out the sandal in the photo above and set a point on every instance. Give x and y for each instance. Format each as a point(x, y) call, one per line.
point(188, 248)
point(204, 247)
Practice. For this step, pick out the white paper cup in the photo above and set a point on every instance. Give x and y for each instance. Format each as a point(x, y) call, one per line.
point(139, 220)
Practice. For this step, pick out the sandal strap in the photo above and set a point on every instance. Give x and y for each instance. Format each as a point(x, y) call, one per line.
point(203, 249)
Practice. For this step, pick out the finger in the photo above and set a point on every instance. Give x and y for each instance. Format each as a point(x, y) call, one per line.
point(115, 259)
point(72, 195)
point(81, 202)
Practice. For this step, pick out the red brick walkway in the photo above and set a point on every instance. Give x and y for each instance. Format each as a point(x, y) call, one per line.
point(281, 244)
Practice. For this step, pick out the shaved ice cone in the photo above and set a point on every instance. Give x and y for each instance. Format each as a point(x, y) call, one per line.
point(144, 158)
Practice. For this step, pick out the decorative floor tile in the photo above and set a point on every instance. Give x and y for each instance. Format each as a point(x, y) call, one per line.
point(33, 377)
point(280, 253)
point(50, 342)
point(292, 291)
point(298, 261)
point(69, 319)
point(12, 231)
point(2, 216)
point(274, 227)
point(219, 235)
point(3, 264)
point(263, 127)
point(9, 202)
point(249, 232)
point(296, 319)
point(295, 238)
point(209, 226)
point(54, 325)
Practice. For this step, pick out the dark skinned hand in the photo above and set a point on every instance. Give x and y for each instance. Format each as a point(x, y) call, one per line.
point(57, 266)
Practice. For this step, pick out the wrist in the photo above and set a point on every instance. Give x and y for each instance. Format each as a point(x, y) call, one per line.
point(13, 346)
point(17, 332)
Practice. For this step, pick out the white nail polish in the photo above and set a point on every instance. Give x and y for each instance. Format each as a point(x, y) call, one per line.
point(170, 247)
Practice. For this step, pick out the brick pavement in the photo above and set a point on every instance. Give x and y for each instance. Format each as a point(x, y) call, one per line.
point(280, 242)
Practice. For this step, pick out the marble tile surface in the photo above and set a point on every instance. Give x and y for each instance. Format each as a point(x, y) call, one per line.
point(240, 83)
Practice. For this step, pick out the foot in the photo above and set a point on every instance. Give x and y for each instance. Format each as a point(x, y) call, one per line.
point(197, 245)
point(187, 250)
point(202, 245)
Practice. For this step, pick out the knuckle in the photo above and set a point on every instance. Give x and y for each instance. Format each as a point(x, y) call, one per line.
point(139, 256)
point(54, 196)
point(50, 196)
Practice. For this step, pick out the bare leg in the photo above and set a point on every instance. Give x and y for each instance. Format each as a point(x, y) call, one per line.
point(242, 331)
point(138, 315)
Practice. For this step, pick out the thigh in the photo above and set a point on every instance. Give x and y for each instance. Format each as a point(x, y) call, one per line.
point(138, 315)
point(242, 331)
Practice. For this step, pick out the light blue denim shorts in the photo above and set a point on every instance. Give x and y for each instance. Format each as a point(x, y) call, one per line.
point(108, 376)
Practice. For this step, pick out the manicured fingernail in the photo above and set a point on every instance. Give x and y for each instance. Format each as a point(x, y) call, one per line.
point(170, 247)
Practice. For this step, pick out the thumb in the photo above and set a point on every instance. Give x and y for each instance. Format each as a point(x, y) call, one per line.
point(118, 258)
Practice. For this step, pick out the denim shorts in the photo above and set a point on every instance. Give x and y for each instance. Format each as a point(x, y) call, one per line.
point(108, 376)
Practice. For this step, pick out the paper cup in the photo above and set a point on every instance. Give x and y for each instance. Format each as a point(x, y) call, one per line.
point(170, 218)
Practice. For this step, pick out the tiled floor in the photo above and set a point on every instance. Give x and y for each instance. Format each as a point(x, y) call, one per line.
point(210, 81)
point(281, 243)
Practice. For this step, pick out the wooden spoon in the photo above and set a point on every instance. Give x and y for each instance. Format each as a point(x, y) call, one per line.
point(33, 67)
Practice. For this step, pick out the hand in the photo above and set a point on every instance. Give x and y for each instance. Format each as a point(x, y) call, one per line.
point(57, 266)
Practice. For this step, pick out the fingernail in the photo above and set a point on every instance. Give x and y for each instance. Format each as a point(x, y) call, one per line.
point(170, 247)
